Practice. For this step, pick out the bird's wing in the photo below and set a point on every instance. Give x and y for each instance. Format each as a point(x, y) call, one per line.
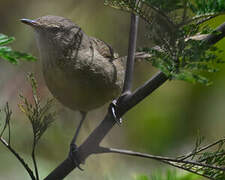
point(103, 48)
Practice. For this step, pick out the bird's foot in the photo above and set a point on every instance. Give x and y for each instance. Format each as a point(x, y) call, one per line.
point(113, 109)
point(73, 155)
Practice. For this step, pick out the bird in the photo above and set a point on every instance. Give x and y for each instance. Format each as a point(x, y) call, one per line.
point(81, 72)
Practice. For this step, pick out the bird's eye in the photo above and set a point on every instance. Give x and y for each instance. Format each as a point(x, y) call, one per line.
point(54, 28)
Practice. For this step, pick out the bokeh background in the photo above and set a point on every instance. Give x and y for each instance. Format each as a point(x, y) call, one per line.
point(166, 123)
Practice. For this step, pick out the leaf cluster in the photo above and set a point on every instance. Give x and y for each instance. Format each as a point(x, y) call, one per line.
point(10, 55)
point(174, 27)
point(39, 115)
point(182, 57)
point(207, 6)
point(210, 160)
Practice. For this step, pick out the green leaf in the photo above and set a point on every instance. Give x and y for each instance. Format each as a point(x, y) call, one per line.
point(5, 39)
point(208, 6)
point(10, 55)
point(201, 67)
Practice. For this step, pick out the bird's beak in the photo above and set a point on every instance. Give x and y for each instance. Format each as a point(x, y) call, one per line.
point(29, 22)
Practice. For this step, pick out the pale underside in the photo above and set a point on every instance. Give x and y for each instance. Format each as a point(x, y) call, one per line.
point(86, 79)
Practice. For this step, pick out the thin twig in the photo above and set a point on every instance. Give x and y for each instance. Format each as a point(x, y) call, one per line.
point(206, 19)
point(163, 15)
point(3, 129)
point(189, 170)
point(202, 149)
point(34, 160)
point(30, 172)
point(212, 156)
point(158, 158)
point(185, 11)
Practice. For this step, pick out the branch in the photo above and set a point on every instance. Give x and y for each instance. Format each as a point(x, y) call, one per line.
point(158, 158)
point(91, 144)
point(30, 172)
point(131, 54)
point(214, 37)
point(34, 160)
point(142, 92)
point(206, 169)
point(8, 114)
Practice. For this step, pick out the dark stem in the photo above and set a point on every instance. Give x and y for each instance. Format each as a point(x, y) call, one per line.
point(30, 172)
point(142, 92)
point(34, 160)
point(185, 11)
point(214, 37)
point(9, 133)
point(3, 129)
point(131, 53)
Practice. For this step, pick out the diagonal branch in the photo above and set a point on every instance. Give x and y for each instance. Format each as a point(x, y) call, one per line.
point(30, 172)
point(139, 94)
point(91, 144)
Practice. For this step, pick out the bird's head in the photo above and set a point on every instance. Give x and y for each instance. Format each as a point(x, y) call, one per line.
point(56, 31)
point(50, 24)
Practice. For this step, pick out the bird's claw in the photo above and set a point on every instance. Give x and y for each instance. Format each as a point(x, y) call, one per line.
point(113, 109)
point(74, 156)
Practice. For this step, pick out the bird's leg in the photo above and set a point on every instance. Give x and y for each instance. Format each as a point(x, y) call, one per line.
point(83, 116)
point(73, 146)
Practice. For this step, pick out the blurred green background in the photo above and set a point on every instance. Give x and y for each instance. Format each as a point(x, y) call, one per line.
point(164, 124)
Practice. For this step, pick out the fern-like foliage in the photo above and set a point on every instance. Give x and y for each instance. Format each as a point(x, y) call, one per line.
point(208, 6)
point(207, 161)
point(174, 27)
point(182, 57)
point(10, 55)
point(39, 115)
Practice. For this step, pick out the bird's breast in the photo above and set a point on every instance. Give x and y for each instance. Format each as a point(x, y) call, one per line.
point(83, 81)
